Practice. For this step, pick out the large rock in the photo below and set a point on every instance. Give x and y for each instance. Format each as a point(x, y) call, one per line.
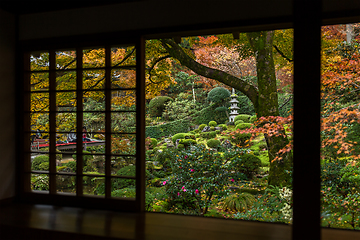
point(227, 144)
point(206, 129)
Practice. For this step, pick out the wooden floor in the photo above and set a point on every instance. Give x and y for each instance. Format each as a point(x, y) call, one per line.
point(20, 221)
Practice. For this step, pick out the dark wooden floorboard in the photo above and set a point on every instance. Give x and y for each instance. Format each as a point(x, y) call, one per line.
point(20, 221)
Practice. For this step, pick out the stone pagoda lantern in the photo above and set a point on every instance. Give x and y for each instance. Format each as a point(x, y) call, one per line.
point(233, 106)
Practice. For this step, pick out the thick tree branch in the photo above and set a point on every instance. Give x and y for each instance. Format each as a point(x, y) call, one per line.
point(178, 53)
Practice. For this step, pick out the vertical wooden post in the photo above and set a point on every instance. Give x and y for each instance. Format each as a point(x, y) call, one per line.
point(140, 124)
point(108, 122)
point(52, 118)
point(306, 174)
point(79, 121)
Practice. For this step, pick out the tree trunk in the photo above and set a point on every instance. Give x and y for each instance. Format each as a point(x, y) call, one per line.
point(262, 46)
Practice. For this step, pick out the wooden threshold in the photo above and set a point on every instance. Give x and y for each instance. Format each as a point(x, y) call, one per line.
point(24, 221)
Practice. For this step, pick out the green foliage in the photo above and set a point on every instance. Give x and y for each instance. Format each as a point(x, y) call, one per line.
point(44, 166)
point(131, 193)
point(157, 105)
point(243, 126)
point(179, 109)
point(223, 126)
point(213, 143)
point(208, 135)
point(125, 183)
point(178, 136)
point(253, 119)
point(241, 139)
point(246, 163)
point(88, 163)
point(238, 122)
point(238, 202)
point(212, 124)
point(199, 177)
point(209, 114)
point(201, 127)
point(244, 117)
point(40, 182)
point(166, 129)
point(153, 142)
point(219, 95)
point(35, 165)
point(244, 103)
point(187, 142)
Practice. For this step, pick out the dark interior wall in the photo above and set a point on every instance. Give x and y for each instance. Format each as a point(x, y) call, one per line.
point(148, 14)
point(7, 105)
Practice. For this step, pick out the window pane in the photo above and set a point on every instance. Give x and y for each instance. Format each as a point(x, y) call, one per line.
point(123, 166)
point(65, 122)
point(123, 122)
point(93, 79)
point(94, 101)
point(39, 102)
point(66, 101)
point(121, 78)
point(123, 56)
point(65, 60)
point(94, 58)
point(94, 123)
point(40, 182)
point(123, 100)
point(65, 184)
point(123, 188)
point(39, 61)
point(39, 123)
point(66, 80)
point(123, 144)
point(39, 81)
point(94, 185)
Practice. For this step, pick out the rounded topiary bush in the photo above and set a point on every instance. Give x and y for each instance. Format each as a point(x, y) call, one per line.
point(36, 163)
point(153, 142)
point(208, 135)
point(178, 136)
point(212, 124)
point(157, 105)
point(247, 164)
point(238, 122)
point(223, 126)
point(244, 117)
point(187, 142)
point(213, 143)
point(241, 138)
point(253, 119)
point(212, 128)
point(243, 126)
point(218, 95)
point(201, 127)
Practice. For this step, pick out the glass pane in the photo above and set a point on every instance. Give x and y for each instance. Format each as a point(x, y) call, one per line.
point(123, 56)
point(40, 182)
point(94, 123)
point(123, 188)
point(94, 185)
point(66, 101)
point(93, 79)
point(39, 81)
point(39, 143)
point(39, 61)
point(94, 58)
point(123, 100)
point(66, 80)
point(121, 78)
point(67, 163)
point(65, 60)
point(65, 184)
point(39, 102)
point(123, 166)
point(123, 144)
point(39, 123)
point(65, 122)
point(40, 162)
point(123, 122)
point(98, 162)
point(94, 101)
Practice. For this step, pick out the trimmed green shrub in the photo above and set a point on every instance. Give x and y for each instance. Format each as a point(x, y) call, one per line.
point(217, 131)
point(196, 131)
point(212, 128)
point(35, 165)
point(238, 122)
point(178, 136)
point(181, 146)
point(243, 126)
point(197, 135)
point(179, 109)
point(212, 124)
point(44, 166)
point(201, 127)
point(208, 135)
point(153, 142)
point(166, 129)
point(218, 95)
point(187, 142)
point(238, 202)
point(213, 143)
point(209, 114)
point(88, 164)
point(244, 117)
point(124, 183)
point(247, 164)
point(157, 105)
point(223, 126)
point(253, 119)
point(241, 138)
